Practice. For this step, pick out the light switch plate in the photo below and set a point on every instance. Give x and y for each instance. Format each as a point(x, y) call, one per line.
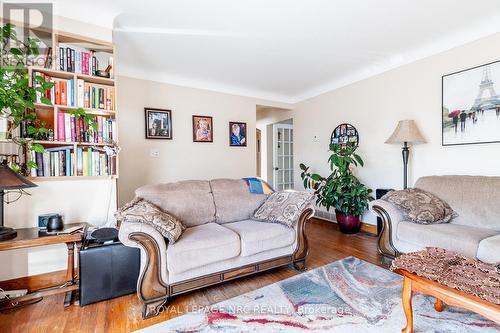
point(154, 152)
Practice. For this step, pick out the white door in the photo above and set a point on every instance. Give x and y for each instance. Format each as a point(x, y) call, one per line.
point(282, 157)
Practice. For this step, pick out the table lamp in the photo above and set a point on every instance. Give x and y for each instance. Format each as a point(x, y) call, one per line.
point(406, 133)
point(9, 180)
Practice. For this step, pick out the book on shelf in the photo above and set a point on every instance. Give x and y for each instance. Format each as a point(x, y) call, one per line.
point(71, 129)
point(91, 162)
point(47, 63)
point(88, 95)
point(77, 60)
point(60, 162)
point(62, 93)
point(54, 162)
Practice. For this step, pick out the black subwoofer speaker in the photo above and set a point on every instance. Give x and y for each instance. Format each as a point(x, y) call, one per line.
point(107, 271)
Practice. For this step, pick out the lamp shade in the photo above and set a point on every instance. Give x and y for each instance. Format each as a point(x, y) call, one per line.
point(9, 180)
point(406, 131)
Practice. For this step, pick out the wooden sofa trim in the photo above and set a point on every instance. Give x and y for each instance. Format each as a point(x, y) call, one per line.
point(384, 244)
point(154, 292)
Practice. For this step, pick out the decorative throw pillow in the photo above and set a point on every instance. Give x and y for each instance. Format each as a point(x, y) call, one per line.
point(142, 211)
point(420, 206)
point(283, 207)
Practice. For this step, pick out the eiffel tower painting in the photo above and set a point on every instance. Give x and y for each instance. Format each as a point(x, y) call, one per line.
point(471, 105)
point(486, 87)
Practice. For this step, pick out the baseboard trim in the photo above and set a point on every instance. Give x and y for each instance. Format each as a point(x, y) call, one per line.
point(35, 282)
point(365, 227)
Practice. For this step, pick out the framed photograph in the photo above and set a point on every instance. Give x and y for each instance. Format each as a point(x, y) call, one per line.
point(471, 105)
point(237, 134)
point(203, 130)
point(158, 123)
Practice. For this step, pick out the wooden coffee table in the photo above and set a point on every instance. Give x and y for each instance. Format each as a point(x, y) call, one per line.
point(444, 295)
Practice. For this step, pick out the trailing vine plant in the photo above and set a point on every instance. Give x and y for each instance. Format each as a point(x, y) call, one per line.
point(18, 97)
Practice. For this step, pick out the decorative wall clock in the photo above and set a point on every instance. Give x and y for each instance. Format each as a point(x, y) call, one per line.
point(345, 134)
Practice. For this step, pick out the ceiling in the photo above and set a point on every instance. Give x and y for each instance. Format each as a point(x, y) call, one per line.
point(283, 50)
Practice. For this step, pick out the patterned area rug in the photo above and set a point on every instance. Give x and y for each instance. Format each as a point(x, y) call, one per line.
point(348, 295)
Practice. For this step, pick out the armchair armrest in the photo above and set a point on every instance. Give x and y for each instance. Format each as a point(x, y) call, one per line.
point(152, 285)
point(391, 216)
point(302, 249)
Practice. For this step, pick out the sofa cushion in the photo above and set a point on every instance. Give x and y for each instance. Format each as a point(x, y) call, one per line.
point(284, 207)
point(489, 250)
point(420, 206)
point(191, 201)
point(454, 237)
point(233, 200)
point(141, 211)
point(258, 237)
point(474, 198)
point(202, 245)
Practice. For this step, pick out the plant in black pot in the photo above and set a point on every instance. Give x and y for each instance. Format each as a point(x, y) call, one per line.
point(341, 189)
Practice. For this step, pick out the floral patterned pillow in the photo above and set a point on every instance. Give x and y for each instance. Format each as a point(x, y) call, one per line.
point(420, 206)
point(142, 211)
point(283, 207)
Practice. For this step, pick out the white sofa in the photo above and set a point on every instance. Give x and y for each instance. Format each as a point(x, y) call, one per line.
point(220, 243)
point(474, 233)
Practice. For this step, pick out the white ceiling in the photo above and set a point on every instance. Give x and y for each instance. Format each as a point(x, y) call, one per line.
point(284, 50)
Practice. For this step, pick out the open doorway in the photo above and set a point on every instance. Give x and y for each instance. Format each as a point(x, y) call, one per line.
point(275, 146)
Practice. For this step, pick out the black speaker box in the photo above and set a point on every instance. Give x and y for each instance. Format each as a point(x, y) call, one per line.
point(107, 270)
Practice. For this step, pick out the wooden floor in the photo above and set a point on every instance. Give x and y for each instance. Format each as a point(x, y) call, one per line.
point(123, 314)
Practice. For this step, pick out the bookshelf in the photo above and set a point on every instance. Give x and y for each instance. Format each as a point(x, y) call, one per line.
point(87, 158)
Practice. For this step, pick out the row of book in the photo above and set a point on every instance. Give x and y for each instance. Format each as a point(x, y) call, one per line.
point(77, 61)
point(71, 129)
point(61, 161)
point(63, 93)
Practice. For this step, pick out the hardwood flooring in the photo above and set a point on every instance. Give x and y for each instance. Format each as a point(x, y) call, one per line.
point(123, 314)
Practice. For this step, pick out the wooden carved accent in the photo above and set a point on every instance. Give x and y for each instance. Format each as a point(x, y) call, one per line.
point(412, 283)
point(150, 288)
point(385, 245)
point(302, 249)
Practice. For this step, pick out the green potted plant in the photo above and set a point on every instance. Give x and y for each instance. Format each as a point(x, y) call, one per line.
point(18, 97)
point(341, 189)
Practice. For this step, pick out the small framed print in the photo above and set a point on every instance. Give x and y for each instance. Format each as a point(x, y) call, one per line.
point(237, 134)
point(203, 130)
point(158, 123)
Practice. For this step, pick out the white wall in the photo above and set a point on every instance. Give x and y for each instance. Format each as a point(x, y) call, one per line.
point(89, 200)
point(374, 107)
point(181, 158)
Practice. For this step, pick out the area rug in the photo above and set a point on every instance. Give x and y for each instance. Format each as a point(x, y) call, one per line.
point(348, 295)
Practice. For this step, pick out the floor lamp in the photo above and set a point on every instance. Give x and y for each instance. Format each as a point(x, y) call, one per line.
point(406, 133)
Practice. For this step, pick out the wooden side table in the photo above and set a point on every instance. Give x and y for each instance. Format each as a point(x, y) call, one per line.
point(32, 237)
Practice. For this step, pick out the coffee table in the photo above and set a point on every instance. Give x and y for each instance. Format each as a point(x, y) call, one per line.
point(444, 295)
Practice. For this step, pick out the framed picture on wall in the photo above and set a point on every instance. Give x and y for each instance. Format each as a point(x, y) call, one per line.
point(237, 134)
point(158, 123)
point(471, 105)
point(203, 130)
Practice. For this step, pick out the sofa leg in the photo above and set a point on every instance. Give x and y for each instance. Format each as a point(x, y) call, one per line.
point(300, 265)
point(151, 309)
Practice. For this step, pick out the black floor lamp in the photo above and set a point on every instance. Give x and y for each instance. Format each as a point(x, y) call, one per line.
point(9, 180)
point(406, 133)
